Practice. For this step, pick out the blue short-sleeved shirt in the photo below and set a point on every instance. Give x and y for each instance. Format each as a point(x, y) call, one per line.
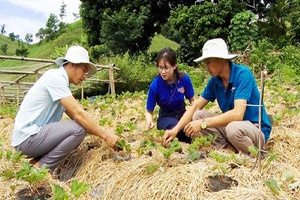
point(41, 104)
point(169, 97)
point(241, 85)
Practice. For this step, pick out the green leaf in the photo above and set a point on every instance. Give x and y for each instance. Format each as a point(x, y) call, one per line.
point(78, 188)
point(253, 150)
point(272, 184)
point(59, 192)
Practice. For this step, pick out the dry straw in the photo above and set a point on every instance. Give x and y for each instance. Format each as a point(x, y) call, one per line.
point(93, 163)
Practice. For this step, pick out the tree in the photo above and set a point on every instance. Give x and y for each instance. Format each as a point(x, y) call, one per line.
point(22, 52)
point(62, 13)
point(281, 26)
point(28, 38)
point(198, 23)
point(243, 31)
point(148, 14)
point(4, 48)
point(3, 29)
point(12, 36)
point(123, 31)
point(52, 27)
point(41, 34)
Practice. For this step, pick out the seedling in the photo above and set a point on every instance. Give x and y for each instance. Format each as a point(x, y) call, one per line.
point(59, 193)
point(145, 147)
point(174, 146)
point(150, 169)
point(272, 185)
point(78, 188)
point(119, 129)
point(197, 144)
point(123, 145)
point(221, 159)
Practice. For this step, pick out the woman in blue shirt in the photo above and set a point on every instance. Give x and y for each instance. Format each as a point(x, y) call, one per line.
point(168, 90)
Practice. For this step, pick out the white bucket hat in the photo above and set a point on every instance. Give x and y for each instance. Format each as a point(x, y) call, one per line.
point(76, 55)
point(215, 48)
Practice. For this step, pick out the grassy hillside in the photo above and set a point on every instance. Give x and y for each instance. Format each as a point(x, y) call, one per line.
point(43, 49)
point(11, 45)
point(159, 42)
point(71, 36)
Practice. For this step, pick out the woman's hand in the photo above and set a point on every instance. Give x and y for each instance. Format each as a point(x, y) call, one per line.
point(169, 137)
point(150, 124)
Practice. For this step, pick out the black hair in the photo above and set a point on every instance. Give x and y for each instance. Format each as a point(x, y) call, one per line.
point(169, 55)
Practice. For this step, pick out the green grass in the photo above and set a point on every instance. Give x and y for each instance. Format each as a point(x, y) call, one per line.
point(71, 36)
point(159, 42)
point(11, 45)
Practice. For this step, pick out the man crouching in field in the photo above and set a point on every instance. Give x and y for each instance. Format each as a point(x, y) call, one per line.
point(38, 131)
point(238, 97)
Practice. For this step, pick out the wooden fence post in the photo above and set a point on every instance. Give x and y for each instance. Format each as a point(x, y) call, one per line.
point(18, 93)
point(82, 91)
point(112, 79)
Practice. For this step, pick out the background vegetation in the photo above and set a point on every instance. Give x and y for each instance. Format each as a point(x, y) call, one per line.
point(130, 33)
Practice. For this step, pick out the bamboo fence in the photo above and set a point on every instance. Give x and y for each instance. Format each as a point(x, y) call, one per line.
point(13, 91)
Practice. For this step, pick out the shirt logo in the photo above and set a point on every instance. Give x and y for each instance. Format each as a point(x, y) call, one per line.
point(181, 90)
point(232, 89)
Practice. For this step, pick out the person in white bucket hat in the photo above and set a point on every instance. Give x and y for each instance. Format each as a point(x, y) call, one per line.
point(39, 132)
point(234, 87)
point(77, 55)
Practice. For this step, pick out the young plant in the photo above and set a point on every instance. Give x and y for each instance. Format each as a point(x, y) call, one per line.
point(145, 147)
point(197, 144)
point(78, 188)
point(59, 193)
point(272, 185)
point(175, 146)
point(32, 175)
point(119, 129)
point(221, 159)
point(123, 145)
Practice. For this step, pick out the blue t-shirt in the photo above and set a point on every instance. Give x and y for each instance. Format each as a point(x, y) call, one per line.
point(41, 105)
point(241, 85)
point(169, 97)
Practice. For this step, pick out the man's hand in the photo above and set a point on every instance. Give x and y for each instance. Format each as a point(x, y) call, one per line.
point(111, 140)
point(192, 128)
point(168, 137)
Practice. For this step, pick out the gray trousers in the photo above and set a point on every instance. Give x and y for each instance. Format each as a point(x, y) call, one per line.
point(238, 134)
point(53, 143)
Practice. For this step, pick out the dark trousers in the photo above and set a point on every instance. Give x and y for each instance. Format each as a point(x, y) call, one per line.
point(167, 120)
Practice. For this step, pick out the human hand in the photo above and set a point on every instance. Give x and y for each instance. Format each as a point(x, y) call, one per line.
point(150, 124)
point(192, 128)
point(111, 140)
point(168, 137)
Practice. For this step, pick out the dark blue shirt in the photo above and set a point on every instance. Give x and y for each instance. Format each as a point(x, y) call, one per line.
point(241, 85)
point(169, 97)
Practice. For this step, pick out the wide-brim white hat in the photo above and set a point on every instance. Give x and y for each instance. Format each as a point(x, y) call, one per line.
point(215, 48)
point(77, 55)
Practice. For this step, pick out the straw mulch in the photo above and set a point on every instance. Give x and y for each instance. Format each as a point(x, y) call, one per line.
point(174, 178)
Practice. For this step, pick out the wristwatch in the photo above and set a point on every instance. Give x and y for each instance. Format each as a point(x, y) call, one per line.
point(203, 124)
